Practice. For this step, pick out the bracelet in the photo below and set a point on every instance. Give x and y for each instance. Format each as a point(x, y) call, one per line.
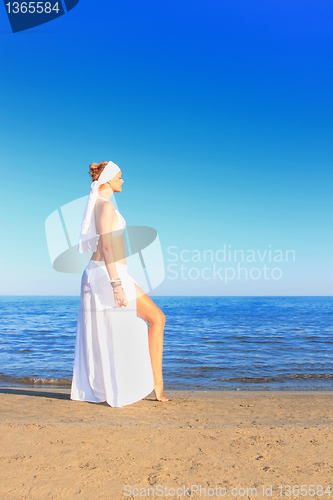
point(118, 292)
point(115, 283)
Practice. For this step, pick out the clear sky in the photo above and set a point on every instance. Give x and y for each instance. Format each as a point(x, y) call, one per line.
point(219, 115)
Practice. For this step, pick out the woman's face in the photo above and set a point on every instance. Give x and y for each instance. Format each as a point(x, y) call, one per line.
point(117, 182)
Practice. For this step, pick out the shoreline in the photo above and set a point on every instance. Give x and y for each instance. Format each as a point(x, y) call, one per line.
point(199, 390)
point(50, 387)
point(55, 448)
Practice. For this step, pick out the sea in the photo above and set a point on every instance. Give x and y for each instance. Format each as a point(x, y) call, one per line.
point(210, 343)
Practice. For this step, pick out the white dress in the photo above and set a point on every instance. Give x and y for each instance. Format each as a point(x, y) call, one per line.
point(112, 361)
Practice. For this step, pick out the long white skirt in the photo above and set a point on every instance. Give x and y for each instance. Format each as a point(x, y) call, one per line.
point(112, 361)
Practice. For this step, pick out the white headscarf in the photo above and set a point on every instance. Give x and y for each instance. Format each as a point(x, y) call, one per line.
point(87, 240)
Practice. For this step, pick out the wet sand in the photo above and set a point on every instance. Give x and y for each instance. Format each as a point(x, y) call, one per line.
point(55, 448)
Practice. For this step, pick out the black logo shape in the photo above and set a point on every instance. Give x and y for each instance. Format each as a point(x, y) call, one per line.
point(24, 15)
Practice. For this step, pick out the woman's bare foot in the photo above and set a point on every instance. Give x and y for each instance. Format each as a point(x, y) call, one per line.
point(158, 389)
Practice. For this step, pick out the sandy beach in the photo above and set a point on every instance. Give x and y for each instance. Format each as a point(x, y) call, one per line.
point(55, 448)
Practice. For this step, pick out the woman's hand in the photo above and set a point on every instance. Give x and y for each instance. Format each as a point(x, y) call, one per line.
point(120, 298)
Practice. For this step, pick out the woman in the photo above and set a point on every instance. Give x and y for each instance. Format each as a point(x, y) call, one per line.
point(117, 359)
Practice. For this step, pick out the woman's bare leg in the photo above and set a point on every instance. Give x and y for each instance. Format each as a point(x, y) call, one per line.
point(149, 311)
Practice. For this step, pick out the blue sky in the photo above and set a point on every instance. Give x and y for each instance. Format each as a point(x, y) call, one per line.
point(219, 114)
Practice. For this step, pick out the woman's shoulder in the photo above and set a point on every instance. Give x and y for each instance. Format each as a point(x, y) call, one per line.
point(105, 212)
point(107, 206)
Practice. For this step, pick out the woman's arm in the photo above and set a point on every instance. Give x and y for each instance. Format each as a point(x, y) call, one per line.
point(108, 223)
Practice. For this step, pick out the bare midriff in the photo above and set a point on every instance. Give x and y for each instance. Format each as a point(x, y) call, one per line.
point(117, 248)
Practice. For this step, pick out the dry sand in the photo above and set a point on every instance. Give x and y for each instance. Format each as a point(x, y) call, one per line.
point(55, 448)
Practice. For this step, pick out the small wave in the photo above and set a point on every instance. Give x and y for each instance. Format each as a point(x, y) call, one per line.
point(279, 378)
point(36, 380)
